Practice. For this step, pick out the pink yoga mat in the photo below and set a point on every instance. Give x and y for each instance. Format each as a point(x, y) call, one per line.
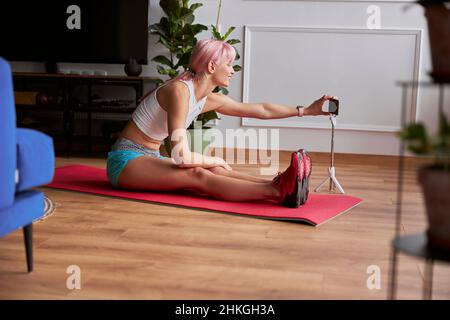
point(319, 208)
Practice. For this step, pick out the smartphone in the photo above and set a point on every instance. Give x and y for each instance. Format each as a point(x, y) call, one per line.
point(332, 106)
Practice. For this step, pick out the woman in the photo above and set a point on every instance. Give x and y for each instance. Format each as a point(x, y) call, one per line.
point(135, 163)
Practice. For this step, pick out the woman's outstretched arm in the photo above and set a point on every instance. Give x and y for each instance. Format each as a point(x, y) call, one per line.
point(227, 106)
point(276, 111)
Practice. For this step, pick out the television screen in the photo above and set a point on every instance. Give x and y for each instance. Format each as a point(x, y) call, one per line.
point(89, 31)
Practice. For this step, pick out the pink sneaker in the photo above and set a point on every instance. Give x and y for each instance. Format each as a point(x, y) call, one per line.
point(288, 183)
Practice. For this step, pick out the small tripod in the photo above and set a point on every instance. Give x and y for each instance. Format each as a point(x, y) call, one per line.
point(331, 171)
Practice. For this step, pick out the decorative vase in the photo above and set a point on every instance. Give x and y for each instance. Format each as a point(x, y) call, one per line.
point(435, 185)
point(438, 18)
point(132, 68)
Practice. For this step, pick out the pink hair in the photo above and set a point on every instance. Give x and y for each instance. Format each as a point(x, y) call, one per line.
point(205, 50)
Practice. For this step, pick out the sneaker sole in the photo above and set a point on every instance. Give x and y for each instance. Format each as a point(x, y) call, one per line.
point(302, 195)
point(306, 156)
point(303, 155)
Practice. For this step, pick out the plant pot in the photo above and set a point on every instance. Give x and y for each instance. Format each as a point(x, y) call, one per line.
point(436, 186)
point(438, 18)
point(199, 141)
point(132, 68)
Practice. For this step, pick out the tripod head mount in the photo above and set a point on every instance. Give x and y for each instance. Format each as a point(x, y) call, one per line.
point(333, 119)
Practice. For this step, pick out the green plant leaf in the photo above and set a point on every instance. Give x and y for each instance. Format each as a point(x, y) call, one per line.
point(416, 138)
point(442, 146)
point(177, 32)
point(190, 19)
point(157, 28)
point(221, 90)
point(160, 28)
point(197, 28)
point(185, 14)
point(237, 68)
point(162, 60)
point(238, 56)
point(169, 71)
point(183, 60)
point(444, 127)
point(418, 147)
point(233, 41)
point(207, 116)
point(165, 42)
point(186, 32)
point(162, 70)
point(195, 6)
point(169, 7)
point(215, 33)
point(173, 73)
point(229, 31)
point(414, 131)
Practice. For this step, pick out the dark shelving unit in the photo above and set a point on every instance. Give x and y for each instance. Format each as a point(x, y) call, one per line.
point(62, 88)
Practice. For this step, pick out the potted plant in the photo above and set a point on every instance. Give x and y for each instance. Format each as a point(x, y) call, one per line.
point(211, 115)
point(177, 33)
point(437, 13)
point(434, 178)
point(202, 120)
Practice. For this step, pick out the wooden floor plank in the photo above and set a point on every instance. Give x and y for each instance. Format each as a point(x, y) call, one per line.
point(136, 250)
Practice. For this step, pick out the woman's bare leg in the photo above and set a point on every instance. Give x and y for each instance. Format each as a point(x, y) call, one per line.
point(238, 175)
point(232, 189)
point(147, 173)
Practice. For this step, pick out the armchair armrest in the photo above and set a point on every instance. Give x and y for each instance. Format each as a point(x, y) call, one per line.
point(35, 159)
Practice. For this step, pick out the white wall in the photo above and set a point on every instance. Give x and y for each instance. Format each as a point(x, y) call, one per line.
point(363, 74)
point(370, 98)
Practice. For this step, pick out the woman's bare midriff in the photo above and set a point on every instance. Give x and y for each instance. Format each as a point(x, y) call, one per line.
point(133, 133)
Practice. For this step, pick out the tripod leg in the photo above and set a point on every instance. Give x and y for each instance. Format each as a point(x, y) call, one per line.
point(337, 184)
point(321, 184)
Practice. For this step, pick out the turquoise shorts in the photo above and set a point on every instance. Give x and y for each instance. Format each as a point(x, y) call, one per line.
point(121, 153)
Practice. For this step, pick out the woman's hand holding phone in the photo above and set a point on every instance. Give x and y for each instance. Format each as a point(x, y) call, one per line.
point(315, 108)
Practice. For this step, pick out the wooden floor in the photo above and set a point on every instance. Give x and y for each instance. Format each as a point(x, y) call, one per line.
point(136, 250)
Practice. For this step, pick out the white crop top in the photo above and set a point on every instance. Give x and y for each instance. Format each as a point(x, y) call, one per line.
point(151, 119)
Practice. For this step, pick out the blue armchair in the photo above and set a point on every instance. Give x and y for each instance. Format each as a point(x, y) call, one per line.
point(26, 161)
